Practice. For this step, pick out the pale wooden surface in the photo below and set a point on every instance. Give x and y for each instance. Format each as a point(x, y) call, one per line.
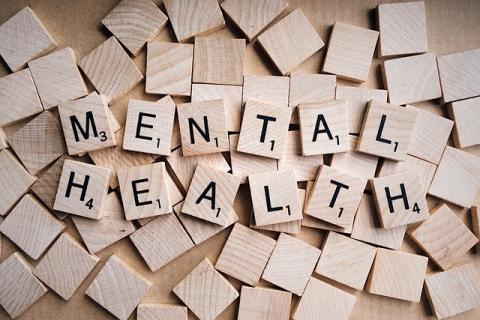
point(264, 304)
point(150, 311)
point(268, 89)
point(476, 225)
point(466, 115)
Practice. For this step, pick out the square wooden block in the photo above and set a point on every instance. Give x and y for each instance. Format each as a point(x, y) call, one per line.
point(264, 304)
point(114, 81)
point(291, 264)
point(57, 78)
point(169, 68)
point(457, 178)
point(400, 199)
point(293, 31)
point(476, 225)
point(387, 131)
point(82, 189)
point(350, 51)
point(218, 60)
point(151, 311)
point(134, 22)
point(403, 28)
point(245, 254)
point(205, 291)
point(190, 18)
point(274, 197)
point(19, 289)
point(273, 90)
point(118, 288)
point(211, 194)
point(23, 37)
point(321, 298)
point(466, 114)
point(30, 218)
point(335, 196)
point(398, 275)
point(411, 79)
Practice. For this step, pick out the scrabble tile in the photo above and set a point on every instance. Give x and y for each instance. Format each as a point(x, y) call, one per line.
point(3, 140)
point(430, 135)
point(403, 28)
point(324, 127)
point(475, 224)
point(30, 218)
point(205, 291)
point(18, 44)
point(272, 90)
point(211, 194)
point(399, 199)
point(274, 197)
point(264, 304)
point(453, 292)
point(421, 84)
point(357, 99)
point(169, 68)
point(264, 129)
point(232, 98)
point(151, 311)
point(321, 298)
point(15, 181)
point(350, 52)
point(203, 127)
point(457, 177)
point(19, 289)
point(387, 131)
point(293, 31)
point(245, 254)
point(459, 75)
point(253, 17)
point(218, 60)
point(112, 82)
point(190, 18)
point(367, 227)
point(398, 275)
point(134, 22)
point(291, 264)
point(335, 196)
point(86, 124)
point(19, 98)
point(145, 192)
point(466, 115)
point(118, 288)
point(82, 189)
point(151, 239)
point(57, 78)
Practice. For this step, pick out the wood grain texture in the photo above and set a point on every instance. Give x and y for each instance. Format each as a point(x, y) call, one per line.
point(151, 311)
point(1, 237)
point(264, 304)
point(3, 140)
point(466, 115)
point(476, 225)
point(273, 90)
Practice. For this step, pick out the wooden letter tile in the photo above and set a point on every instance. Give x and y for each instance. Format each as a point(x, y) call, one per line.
point(264, 304)
point(476, 225)
point(272, 90)
point(466, 115)
point(150, 311)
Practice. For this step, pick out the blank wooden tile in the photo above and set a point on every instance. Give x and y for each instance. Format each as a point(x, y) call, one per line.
point(387, 131)
point(116, 81)
point(20, 95)
point(134, 22)
point(31, 227)
point(57, 78)
point(459, 75)
point(350, 51)
point(466, 115)
point(346, 260)
point(19, 289)
point(476, 225)
point(324, 127)
point(82, 189)
point(18, 44)
point(245, 254)
point(118, 288)
point(291, 264)
point(272, 90)
point(403, 28)
point(457, 178)
point(411, 79)
point(454, 291)
point(397, 275)
point(3, 140)
point(399, 199)
point(264, 304)
point(321, 298)
point(293, 31)
point(151, 311)
point(15, 181)
point(357, 99)
point(190, 18)
point(205, 291)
